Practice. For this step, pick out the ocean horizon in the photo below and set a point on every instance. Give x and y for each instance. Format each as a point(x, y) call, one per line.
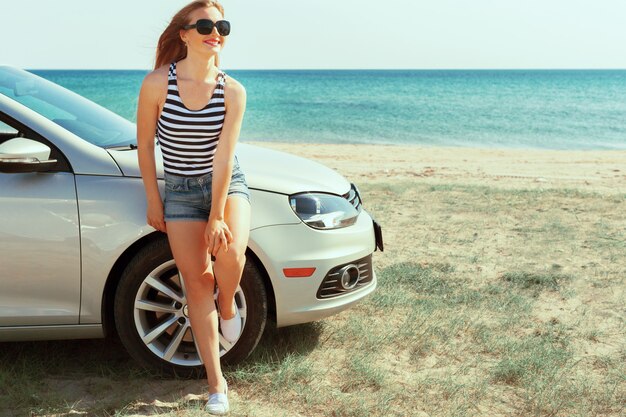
point(503, 108)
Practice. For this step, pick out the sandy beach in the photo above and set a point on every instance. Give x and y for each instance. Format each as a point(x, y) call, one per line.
point(500, 292)
point(601, 171)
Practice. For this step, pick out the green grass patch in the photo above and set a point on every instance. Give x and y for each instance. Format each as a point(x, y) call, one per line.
point(527, 359)
point(433, 279)
point(362, 372)
point(536, 280)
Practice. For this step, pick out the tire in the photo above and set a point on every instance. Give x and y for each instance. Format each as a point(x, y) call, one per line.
point(150, 307)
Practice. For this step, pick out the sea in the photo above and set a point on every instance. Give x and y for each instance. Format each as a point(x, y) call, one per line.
point(545, 109)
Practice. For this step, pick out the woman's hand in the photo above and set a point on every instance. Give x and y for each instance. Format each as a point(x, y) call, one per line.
point(217, 234)
point(155, 217)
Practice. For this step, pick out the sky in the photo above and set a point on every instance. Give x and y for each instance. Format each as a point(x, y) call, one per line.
point(326, 34)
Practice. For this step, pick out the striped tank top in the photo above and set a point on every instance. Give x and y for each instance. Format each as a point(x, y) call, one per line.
point(188, 138)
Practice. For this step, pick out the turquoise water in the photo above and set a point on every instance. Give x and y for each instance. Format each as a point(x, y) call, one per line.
point(553, 109)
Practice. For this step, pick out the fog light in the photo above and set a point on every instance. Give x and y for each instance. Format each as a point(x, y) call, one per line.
point(349, 276)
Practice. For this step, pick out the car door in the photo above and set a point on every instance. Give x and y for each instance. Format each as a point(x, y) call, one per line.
point(39, 241)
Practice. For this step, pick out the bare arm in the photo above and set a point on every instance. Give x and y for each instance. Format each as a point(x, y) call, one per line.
point(147, 113)
point(223, 160)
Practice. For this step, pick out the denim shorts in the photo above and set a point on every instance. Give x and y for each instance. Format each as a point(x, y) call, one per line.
point(189, 198)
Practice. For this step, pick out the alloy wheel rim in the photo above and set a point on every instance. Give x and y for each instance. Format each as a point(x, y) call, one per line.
point(161, 317)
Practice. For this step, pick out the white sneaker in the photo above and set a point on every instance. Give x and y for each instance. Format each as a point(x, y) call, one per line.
point(231, 328)
point(218, 402)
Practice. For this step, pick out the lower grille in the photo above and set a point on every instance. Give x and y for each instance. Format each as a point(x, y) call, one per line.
point(331, 284)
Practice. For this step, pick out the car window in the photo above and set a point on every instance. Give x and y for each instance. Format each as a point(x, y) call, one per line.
point(5, 129)
point(6, 132)
point(10, 129)
point(83, 117)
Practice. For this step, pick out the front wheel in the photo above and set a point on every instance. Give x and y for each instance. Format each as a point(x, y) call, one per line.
point(151, 318)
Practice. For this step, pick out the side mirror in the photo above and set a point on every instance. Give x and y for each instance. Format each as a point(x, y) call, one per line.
point(24, 155)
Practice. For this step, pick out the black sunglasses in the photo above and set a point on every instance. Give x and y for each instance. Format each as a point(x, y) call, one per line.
point(205, 26)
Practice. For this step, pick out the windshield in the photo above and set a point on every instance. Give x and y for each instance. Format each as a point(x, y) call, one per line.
point(81, 116)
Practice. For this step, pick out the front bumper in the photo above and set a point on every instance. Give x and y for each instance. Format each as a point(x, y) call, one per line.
point(300, 246)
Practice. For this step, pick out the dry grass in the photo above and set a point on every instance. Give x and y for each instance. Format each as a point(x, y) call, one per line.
point(492, 300)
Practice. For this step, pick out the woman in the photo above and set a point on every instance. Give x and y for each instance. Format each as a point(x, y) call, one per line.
point(206, 208)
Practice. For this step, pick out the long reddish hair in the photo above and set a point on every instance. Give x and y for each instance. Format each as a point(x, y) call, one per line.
point(171, 47)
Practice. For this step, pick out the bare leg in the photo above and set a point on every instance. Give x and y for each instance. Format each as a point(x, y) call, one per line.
point(186, 240)
point(228, 266)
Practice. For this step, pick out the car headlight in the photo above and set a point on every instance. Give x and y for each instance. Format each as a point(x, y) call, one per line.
point(323, 211)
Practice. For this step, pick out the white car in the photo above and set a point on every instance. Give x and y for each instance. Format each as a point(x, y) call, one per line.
point(77, 259)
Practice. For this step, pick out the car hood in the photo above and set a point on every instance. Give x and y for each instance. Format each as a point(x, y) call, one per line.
point(265, 169)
